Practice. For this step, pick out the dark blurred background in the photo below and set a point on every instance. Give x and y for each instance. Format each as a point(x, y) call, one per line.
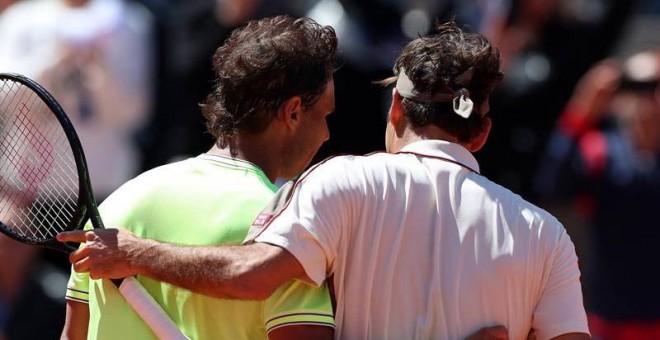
point(546, 47)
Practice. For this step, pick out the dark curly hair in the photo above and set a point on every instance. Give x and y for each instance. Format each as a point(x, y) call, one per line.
point(261, 65)
point(433, 64)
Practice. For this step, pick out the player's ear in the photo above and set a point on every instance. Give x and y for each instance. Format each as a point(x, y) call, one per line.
point(290, 111)
point(396, 116)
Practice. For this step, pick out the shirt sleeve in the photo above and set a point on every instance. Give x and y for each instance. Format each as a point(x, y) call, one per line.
point(560, 309)
point(77, 289)
point(296, 303)
point(311, 223)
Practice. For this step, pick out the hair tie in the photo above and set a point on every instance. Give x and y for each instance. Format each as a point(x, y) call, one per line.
point(407, 89)
point(462, 104)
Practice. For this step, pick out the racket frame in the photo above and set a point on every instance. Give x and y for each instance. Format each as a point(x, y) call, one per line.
point(86, 207)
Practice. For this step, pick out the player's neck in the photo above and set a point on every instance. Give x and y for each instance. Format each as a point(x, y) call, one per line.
point(255, 150)
point(410, 135)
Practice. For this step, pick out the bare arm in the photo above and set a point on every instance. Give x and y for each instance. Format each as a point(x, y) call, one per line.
point(490, 333)
point(573, 336)
point(302, 332)
point(240, 272)
point(321, 332)
point(568, 336)
point(76, 321)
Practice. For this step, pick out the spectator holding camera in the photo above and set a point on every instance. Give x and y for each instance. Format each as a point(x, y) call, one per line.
point(605, 155)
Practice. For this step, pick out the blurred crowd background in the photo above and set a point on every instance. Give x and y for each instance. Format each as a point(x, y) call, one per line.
point(576, 120)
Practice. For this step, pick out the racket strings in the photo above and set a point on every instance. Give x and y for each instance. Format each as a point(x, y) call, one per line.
point(38, 175)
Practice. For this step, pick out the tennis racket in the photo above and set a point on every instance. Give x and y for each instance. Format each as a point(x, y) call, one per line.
point(45, 187)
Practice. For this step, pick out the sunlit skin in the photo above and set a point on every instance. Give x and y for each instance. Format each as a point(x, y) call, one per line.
point(310, 134)
point(289, 143)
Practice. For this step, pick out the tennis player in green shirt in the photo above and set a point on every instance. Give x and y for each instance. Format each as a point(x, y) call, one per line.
point(268, 113)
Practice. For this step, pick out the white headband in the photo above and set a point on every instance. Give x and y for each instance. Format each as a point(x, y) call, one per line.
point(462, 104)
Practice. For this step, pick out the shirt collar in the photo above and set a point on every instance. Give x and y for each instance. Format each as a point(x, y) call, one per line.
point(238, 164)
point(231, 161)
point(443, 149)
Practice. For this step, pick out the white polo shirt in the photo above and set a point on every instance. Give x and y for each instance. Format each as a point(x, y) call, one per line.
point(421, 246)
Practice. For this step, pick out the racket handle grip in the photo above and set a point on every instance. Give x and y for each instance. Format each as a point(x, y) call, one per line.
point(149, 310)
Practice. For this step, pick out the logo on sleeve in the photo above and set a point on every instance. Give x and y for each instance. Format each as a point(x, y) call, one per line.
point(263, 219)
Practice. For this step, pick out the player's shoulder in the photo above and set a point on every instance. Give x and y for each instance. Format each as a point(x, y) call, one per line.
point(155, 177)
point(166, 169)
point(348, 162)
point(518, 206)
point(351, 171)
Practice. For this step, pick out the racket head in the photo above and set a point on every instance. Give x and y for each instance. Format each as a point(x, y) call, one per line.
point(44, 182)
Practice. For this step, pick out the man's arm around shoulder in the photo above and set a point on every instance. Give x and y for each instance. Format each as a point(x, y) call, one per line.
point(249, 272)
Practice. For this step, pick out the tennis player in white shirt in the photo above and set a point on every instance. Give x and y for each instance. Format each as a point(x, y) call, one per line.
point(417, 243)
